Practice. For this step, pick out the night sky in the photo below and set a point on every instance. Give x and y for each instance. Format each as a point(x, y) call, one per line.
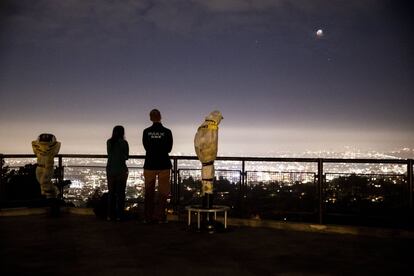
point(76, 68)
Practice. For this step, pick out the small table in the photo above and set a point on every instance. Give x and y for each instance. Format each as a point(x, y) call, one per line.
point(215, 209)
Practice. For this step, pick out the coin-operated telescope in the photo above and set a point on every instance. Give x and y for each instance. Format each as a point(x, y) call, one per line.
point(46, 148)
point(206, 145)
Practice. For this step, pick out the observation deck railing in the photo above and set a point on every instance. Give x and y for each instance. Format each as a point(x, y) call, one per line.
point(325, 192)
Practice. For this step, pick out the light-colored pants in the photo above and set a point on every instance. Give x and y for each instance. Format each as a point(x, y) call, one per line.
point(156, 211)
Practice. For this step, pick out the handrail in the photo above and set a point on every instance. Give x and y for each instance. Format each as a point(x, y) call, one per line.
point(320, 173)
point(236, 158)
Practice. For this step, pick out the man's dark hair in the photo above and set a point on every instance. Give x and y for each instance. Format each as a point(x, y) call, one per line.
point(155, 115)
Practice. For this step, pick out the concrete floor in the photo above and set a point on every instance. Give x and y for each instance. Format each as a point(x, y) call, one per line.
point(84, 245)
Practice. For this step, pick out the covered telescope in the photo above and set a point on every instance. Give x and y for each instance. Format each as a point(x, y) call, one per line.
point(46, 148)
point(205, 143)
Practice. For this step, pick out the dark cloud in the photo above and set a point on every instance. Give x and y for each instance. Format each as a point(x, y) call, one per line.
point(77, 20)
point(73, 21)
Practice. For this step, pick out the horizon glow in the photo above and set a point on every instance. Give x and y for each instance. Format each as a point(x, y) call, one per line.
point(280, 87)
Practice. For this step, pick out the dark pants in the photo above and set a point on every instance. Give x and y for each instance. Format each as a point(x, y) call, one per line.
point(116, 195)
point(156, 211)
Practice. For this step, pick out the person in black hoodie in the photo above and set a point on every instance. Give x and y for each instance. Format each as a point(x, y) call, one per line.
point(158, 142)
point(117, 172)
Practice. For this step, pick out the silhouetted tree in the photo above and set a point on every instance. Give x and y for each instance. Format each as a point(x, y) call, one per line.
point(190, 192)
point(4, 172)
point(21, 184)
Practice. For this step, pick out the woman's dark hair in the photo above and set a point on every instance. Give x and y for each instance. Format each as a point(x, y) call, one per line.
point(118, 133)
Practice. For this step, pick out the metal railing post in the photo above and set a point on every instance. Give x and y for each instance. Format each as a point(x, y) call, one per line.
point(60, 176)
point(410, 183)
point(1, 176)
point(243, 173)
point(176, 189)
point(243, 180)
point(320, 189)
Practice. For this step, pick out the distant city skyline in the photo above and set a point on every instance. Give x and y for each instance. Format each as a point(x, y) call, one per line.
point(88, 176)
point(288, 75)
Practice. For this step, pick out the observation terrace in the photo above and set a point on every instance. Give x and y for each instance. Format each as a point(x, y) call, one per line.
point(290, 216)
